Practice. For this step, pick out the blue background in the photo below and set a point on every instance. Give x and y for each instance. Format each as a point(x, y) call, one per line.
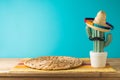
point(32, 28)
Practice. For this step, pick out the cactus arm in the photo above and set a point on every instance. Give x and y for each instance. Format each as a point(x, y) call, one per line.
point(108, 40)
point(98, 45)
point(88, 29)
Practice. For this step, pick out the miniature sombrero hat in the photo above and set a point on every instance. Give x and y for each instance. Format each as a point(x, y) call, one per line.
point(99, 23)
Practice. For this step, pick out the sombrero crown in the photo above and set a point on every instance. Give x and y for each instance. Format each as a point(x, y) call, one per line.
point(99, 23)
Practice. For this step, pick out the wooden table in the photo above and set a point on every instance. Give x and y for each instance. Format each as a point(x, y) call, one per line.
point(6, 64)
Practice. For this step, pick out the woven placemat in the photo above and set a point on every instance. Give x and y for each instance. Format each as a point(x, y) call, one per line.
point(86, 67)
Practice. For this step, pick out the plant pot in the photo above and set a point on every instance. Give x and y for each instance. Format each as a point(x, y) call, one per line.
point(98, 59)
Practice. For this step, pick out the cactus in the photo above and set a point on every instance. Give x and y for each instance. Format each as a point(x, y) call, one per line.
point(99, 39)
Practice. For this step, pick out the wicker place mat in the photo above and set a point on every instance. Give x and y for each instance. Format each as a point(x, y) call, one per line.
point(86, 67)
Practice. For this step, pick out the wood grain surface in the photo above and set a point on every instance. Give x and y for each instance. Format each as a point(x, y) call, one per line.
point(7, 63)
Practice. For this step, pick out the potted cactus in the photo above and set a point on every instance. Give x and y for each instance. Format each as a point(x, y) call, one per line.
point(96, 29)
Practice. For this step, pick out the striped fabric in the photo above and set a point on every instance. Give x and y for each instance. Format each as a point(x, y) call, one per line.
point(20, 67)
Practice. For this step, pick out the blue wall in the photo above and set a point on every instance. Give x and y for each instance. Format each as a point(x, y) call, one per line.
point(32, 28)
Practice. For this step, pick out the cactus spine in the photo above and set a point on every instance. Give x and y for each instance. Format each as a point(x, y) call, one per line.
point(99, 44)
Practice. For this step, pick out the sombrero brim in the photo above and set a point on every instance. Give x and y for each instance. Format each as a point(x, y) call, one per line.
point(89, 23)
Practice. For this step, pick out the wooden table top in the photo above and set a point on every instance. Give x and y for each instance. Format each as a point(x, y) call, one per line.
point(7, 63)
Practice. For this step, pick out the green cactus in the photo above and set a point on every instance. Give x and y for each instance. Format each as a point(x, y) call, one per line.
point(99, 44)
